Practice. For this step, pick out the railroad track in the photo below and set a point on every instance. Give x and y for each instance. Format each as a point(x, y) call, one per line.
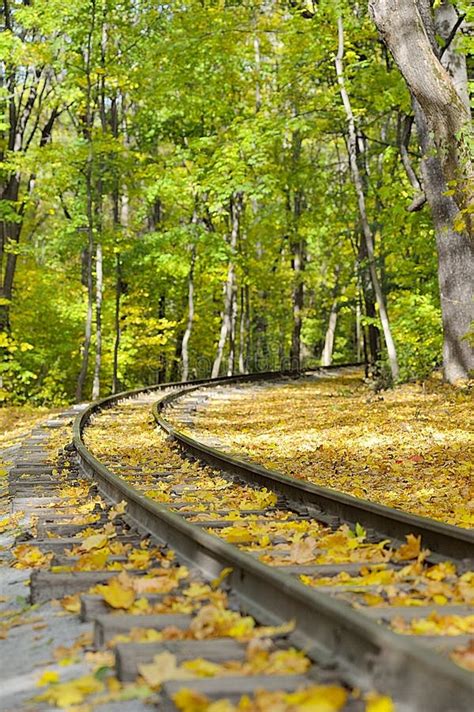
point(189, 513)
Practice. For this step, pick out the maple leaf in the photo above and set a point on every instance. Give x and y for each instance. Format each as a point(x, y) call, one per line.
point(117, 594)
point(71, 603)
point(163, 668)
point(410, 550)
point(95, 541)
point(164, 582)
point(92, 561)
point(303, 551)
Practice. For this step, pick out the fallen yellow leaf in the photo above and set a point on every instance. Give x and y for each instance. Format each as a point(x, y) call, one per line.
point(117, 595)
point(96, 541)
point(47, 678)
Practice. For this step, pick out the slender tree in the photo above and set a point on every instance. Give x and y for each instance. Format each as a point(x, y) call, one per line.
point(367, 232)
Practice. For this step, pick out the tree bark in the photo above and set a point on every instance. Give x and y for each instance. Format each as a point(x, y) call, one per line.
point(442, 120)
point(244, 325)
point(326, 356)
point(367, 232)
point(235, 212)
point(117, 329)
point(98, 319)
point(232, 331)
point(408, 30)
point(297, 301)
point(190, 320)
point(87, 326)
point(405, 123)
point(87, 131)
point(9, 239)
point(298, 256)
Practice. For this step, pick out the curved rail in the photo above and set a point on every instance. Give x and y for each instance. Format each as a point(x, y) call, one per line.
point(327, 629)
point(444, 539)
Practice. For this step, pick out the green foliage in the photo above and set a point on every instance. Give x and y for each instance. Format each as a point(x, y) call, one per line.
point(416, 321)
point(163, 115)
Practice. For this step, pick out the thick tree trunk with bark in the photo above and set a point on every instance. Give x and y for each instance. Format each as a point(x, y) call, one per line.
point(367, 232)
point(408, 30)
point(443, 123)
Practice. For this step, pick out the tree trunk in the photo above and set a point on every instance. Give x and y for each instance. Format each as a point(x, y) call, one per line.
point(235, 212)
point(162, 359)
point(442, 120)
point(408, 30)
point(358, 333)
point(368, 238)
point(88, 325)
point(190, 320)
point(297, 303)
point(120, 218)
point(232, 332)
point(371, 332)
point(89, 120)
point(446, 22)
point(298, 253)
point(9, 239)
point(117, 329)
point(326, 356)
point(98, 319)
point(259, 330)
point(243, 330)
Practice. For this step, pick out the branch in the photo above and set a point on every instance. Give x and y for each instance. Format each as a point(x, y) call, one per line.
point(452, 34)
point(404, 139)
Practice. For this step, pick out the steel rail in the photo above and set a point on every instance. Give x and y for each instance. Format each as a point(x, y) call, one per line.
point(329, 630)
point(444, 539)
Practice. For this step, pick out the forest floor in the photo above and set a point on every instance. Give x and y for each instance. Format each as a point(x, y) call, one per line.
point(411, 447)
